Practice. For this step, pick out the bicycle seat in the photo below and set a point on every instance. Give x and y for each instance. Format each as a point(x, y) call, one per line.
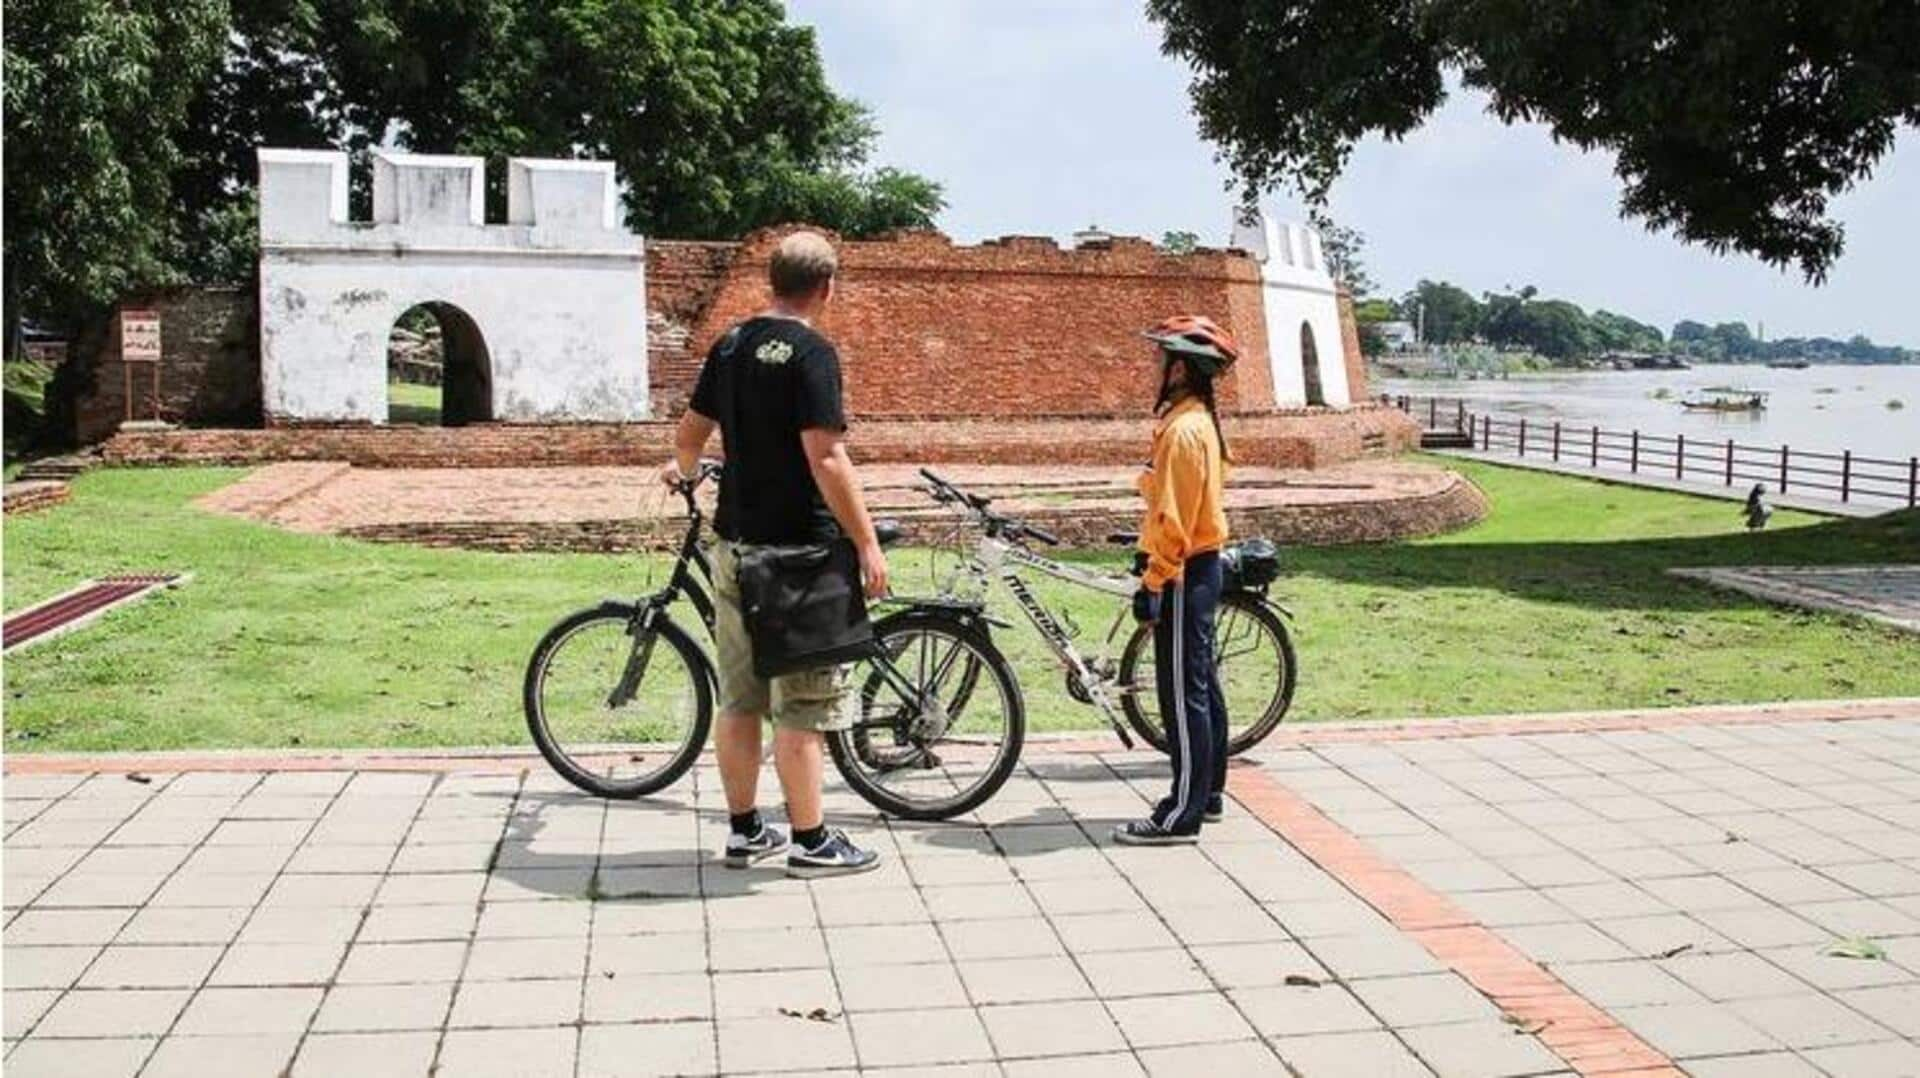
point(888, 531)
point(1123, 538)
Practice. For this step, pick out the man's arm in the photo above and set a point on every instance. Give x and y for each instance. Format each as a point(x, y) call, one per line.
point(833, 470)
point(689, 439)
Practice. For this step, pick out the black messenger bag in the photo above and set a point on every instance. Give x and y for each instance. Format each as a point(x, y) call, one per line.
point(804, 607)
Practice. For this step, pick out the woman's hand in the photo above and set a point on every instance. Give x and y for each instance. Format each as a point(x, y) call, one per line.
point(1146, 606)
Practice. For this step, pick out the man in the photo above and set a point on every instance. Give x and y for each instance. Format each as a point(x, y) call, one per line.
point(771, 386)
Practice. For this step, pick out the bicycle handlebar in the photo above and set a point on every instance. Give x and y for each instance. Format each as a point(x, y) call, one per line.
point(944, 491)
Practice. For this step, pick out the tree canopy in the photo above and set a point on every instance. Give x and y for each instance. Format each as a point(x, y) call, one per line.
point(130, 136)
point(1731, 124)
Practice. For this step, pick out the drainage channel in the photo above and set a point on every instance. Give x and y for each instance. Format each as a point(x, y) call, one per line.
point(75, 608)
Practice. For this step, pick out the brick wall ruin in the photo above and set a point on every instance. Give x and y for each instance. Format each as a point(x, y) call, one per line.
point(927, 329)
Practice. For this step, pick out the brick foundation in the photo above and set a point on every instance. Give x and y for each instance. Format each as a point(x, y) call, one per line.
point(29, 497)
point(1309, 438)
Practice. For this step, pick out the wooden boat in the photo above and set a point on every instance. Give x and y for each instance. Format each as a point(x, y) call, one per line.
point(1790, 364)
point(1726, 399)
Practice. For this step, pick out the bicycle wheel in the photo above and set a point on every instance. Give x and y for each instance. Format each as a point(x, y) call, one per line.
point(1255, 659)
point(931, 762)
point(619, 711)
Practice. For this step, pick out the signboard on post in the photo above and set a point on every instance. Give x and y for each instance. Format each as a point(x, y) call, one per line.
point(140, 344)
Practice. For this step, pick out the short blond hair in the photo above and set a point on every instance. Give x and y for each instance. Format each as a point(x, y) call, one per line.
point(803, 262)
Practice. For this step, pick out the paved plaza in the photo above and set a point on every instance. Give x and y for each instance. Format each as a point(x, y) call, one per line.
point(1889, 594)
point(1646, 894)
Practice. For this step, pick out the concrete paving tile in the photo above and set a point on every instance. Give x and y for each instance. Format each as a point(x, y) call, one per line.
point(673, 952)
point(160, 966)
point(222, 1057)
point(1241, 922)
point(1572, 942)
point(625, 1051)
point(1664, 933)
point(1118, 974)
point(917, 1038)
point(1859, 917)
point(1809, 1020)
point(1779, 1064)
point(757, 912)
point(238, 860)
point(982, 901)
point(1068, 1028)
point(1735, 975)
point(947, 871)
point(502, 959)
point(783, 1043)
point(81, 888)
point(766, 994)
point(1194, 1018)
point(1022, 938)
point(1888, 1059)
point(394, 924)
point(113, 1013)
point(1624, 984)
point(213, 889)
point(402, 963)
point(869, 945)
point(900, 987)
point(431, 888)
point(45, 927)
point(23, 1007)
point(509, 1053)
point(1895, 1006)
point(1423, 1000)
point(532, 920)
point(648, 997)
point(45, 967)
point(768, 948)
point(97, 1058)
point(278, 963)
point(1226, 1057)
point(1483, 1049)
point(330, 860)
point(1793, 886)
point(224, 1011)
point(634, 917)
point(1372, 955)
point(1108, 1065)
point(303, 925)
point(1257, 965)
point(1684, 1030)
point(496, 1004)
point(1094, 932)
point(891, 905)
point(1760, 928)
point(132, 860)
point(1291, 1010)
point(1358, 1054)
point(1024, 980)
point(383, 1007)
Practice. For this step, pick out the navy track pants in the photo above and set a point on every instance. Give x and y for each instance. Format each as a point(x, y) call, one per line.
point(1192, 707)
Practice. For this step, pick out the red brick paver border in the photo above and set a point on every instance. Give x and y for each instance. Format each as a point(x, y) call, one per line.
point(506, 759)
point(1577, 1031)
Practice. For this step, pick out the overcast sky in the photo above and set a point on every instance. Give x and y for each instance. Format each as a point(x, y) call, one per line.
point(1043, 116)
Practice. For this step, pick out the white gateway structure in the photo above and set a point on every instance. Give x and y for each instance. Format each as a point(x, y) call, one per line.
point(1302, 308)
point(542, 318)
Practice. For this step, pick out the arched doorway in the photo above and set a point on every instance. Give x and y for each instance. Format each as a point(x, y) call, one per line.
point(437, 368)
point(1310, 367)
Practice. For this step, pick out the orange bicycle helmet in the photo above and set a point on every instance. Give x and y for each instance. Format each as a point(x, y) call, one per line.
point(1199, 340)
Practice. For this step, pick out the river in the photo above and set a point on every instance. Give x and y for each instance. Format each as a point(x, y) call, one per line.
point(1823, 408)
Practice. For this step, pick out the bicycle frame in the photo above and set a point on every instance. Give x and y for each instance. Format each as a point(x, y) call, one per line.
point(996, 559)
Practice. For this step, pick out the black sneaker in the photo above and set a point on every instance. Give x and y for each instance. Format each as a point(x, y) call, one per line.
point(744, 852)
point(1216, 811)
point(1148, 833)
point(835, 856)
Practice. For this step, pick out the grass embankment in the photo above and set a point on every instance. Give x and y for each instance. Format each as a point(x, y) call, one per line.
point(1556, 601)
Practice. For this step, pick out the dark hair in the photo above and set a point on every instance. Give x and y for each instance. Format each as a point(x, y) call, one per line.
point(1199, 385)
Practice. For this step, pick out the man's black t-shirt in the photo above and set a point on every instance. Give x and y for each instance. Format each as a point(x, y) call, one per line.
point(764, 382)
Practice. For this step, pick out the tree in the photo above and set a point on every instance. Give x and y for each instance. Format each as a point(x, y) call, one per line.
point(95, 92)
point(1618, 333)
point(1736, 340)
point(1367, 316)
point(718, 117)
point(1731, 124)
point(1446, 314)
point(1179, 243)
point(1686, 332)
point(1343, 248)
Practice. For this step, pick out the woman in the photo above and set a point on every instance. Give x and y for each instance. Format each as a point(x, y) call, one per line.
point(1180, 541)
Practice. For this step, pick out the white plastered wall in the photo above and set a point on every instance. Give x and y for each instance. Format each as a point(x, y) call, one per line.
point(1296, 290)
point(558, 293)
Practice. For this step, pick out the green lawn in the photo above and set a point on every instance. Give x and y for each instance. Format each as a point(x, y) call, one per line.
point(410, 403)
point(1556, 601)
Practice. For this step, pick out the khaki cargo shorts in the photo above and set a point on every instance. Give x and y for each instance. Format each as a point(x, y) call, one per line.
point(815, 700)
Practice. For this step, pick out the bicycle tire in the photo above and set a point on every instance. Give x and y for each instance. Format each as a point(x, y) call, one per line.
point(983, 658)
point(1140, 646)
point(556, 755)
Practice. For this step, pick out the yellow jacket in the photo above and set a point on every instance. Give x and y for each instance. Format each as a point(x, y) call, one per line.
point(1186, 513)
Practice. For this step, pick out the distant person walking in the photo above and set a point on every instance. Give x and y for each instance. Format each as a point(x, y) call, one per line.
point(1180, 581)
point(771, 386)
